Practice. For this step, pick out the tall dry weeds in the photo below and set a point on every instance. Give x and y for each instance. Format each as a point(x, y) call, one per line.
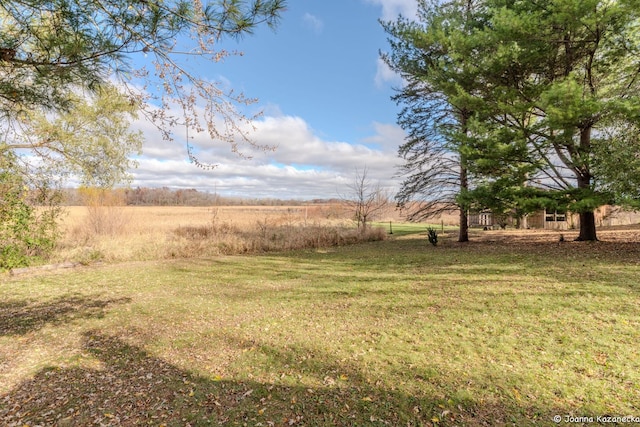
point(186, 232)
point(265, 236)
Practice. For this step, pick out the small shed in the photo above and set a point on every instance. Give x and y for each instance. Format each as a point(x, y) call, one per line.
point(548, 220)
point(481, 219)
point(487, 219)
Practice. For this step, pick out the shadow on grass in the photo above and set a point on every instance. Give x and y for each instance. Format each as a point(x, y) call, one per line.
point(133, 388)
point(569, 262)
point(21, 317)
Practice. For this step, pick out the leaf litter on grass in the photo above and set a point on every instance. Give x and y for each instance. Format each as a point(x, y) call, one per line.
point(454, 334)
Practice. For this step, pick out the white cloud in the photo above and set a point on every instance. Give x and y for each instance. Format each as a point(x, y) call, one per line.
point(392, 8)
point(313, 22)
point(388, 137)
point(303, 166)
point(386, 76)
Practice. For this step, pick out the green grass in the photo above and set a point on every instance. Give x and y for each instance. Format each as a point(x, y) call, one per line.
point(386, 333)
point(406, 228)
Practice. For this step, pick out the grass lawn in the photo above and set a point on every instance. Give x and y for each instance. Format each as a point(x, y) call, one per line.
point(405, 228)
point(387, 333)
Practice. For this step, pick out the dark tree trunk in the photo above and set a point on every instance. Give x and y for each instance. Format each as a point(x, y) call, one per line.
point(587, 219)
point(463, 235)
point(587, 227)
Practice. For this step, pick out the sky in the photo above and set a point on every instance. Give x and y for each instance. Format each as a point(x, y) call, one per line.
point(325, 98)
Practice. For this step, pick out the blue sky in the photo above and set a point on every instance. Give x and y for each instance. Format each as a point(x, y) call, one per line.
point(325, 96)
point(321, 65)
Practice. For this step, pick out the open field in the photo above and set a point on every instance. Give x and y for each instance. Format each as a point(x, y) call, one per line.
point(142, 233)
point(118, 233)
point(511, 329)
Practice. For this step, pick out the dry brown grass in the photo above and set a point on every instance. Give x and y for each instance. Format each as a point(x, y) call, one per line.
point(126, 233)
point(137, 233)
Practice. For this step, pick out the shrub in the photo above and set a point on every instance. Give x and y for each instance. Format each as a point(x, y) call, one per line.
point(432, 235)
point(28, 227)
point(105, 213)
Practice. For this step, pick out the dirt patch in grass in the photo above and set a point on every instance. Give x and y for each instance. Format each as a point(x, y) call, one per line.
point(618, 243)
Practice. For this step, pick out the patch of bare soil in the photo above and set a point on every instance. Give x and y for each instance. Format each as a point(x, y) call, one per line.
point(627, 234)
point(621, 243)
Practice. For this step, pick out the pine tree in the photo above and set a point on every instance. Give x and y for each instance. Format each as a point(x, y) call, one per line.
point(564, 73)
point(553, 92)
point(437, 107)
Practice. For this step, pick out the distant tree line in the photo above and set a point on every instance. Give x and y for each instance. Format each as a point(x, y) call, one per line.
point(165, 196)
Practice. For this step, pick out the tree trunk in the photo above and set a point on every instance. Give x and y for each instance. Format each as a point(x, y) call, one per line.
point(587, 219)
point(587, 227)
point(463, 235)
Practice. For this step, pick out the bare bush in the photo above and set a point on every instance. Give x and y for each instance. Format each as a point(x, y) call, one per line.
point(366, 200)
point(105, 211)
